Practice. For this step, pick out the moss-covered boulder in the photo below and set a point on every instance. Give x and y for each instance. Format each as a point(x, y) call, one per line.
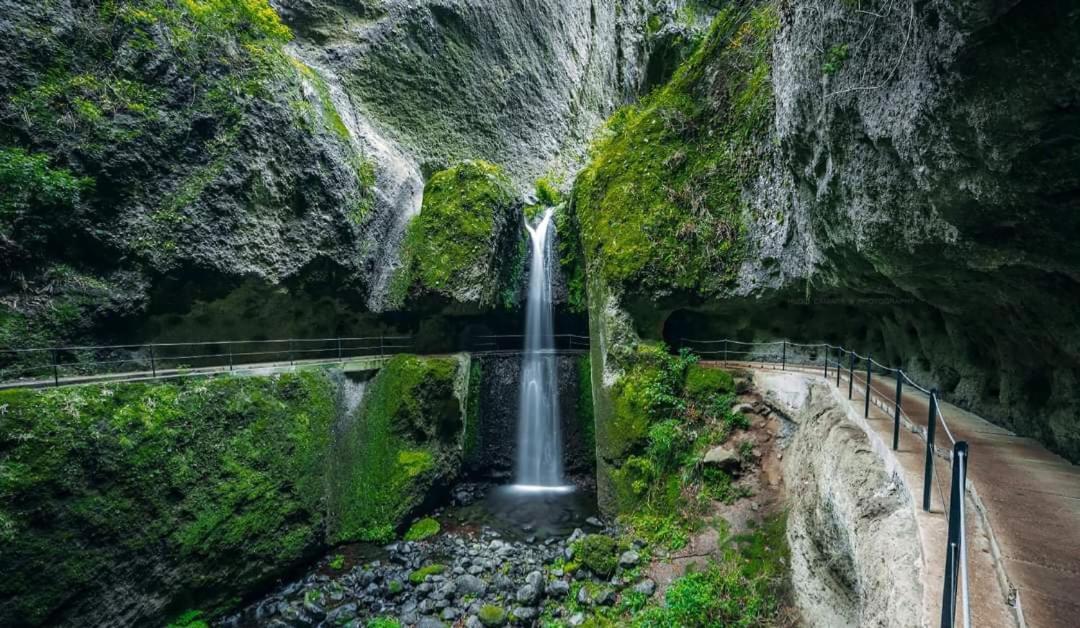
point(599, 553)
point(467, 244)
point(127, 504)
point(405, 438)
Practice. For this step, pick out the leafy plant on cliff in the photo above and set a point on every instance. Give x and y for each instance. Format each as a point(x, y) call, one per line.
point(834, 58)
point(660, 202)
point(667, 412)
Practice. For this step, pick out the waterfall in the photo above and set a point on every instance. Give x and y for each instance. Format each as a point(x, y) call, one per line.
point(539, 450)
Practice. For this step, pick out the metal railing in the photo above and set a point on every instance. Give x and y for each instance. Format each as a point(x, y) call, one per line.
point(515, 343)
point(59, 366)
point(782, 354)
point(66, 366)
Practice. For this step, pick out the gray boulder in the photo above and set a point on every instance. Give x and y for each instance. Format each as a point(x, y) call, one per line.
point(722, 458)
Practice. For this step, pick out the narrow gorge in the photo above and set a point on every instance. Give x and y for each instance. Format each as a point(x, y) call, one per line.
point(660, 313)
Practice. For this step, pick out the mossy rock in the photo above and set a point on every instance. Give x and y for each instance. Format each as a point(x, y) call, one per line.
point(423, 529)
point(467, 244)
point(660, 203)
point(599, 553)
point(145, 489)
point(402, 440)
point(421, 574)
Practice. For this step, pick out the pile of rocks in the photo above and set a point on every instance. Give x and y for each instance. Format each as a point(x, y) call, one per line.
point(450, 579)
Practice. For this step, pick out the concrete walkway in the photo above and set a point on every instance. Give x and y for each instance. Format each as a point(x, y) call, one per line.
point(1023, 507)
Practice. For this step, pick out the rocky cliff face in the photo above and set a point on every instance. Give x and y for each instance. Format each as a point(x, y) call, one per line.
point(206, 161)
point(898, 179)
point(431, 84)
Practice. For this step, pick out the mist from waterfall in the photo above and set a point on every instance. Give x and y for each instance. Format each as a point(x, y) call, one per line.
point(539, 450)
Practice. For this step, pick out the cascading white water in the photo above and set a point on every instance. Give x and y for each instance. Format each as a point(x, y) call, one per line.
point(539, 451)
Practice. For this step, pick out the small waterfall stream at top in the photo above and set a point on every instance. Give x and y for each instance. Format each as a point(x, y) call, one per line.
point(539, 441)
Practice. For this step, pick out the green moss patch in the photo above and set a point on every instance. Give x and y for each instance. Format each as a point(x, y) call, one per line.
point(599, 553)
point(703, 382)
point(659, 204)
point(218, 483)
point(491, 615)
point(465, 236)
point(402, 440)
point(423, 529)
point(584, 408)
point(418, 576)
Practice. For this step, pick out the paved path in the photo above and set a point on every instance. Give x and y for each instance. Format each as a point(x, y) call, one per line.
point(1028, 500)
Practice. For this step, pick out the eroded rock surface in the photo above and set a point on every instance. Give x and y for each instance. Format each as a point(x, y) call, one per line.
point(855, 554)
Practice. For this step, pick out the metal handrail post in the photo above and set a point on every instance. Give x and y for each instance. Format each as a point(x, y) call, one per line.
point(339, 350)
point(153, 363)
point(896, 415)
point(826, 360)
point(955, 563)
point(783, 358)
point(56, 368)
point(839, 365)
point(866, 409)
point(851, 374)
point(928, 475)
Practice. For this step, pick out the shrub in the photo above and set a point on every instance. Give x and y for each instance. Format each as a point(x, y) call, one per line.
point(422, 529)
point(703, 382)
point(337, 562)
point(667, 530)
point(547, 192)
point(599, 554)
point(719, 596)
point(384, 622)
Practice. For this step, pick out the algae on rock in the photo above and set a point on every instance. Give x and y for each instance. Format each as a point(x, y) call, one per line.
point(405, 438)
point(466, 245)
point(120, 501)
